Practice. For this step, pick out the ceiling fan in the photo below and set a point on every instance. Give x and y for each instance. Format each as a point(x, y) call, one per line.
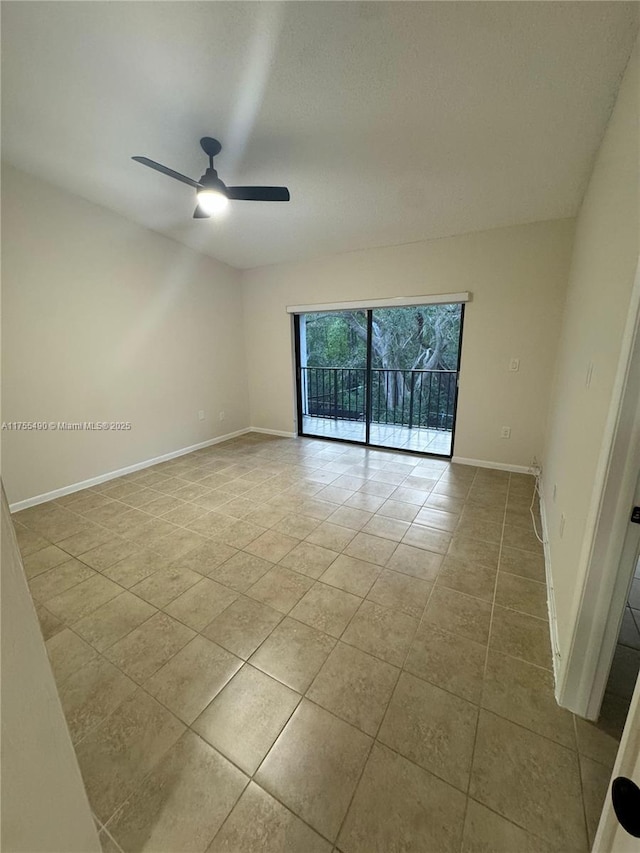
point(212, 194)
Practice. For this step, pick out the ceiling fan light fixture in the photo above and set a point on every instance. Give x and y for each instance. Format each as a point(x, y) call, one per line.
point(212, 200)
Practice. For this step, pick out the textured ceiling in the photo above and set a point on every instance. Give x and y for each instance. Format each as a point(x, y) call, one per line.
point(389, 122)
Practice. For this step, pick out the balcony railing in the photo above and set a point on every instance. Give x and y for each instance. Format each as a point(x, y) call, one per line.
point(411, 398)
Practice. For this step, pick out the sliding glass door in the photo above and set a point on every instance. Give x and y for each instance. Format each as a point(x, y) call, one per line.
point(385, 377)
point(332, 374)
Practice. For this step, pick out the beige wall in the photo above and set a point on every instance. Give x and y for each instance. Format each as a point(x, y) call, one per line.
point(44, 804)
point(518, 278)
point(105, 320)
point(604, 261)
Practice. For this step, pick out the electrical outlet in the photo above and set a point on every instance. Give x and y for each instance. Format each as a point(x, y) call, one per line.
point(514, 364)
point(200, 415)
point(505, 432)
point(221, 416)
point(555, 492)
point(562, 521)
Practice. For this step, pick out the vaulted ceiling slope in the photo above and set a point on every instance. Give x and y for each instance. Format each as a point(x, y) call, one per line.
point(389, 122)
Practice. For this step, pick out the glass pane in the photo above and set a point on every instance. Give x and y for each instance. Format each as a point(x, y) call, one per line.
point(333, 362)
point(415, 355)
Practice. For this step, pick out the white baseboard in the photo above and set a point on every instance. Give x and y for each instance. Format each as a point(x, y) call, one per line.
point(499, 466)
point(273, 432)
point(112, 475)
point(551, 599)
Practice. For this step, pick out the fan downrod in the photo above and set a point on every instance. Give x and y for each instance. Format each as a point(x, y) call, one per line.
point(210, 146)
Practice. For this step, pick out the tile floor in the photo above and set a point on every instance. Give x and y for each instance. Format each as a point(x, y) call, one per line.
point(294, 645)
point(386, 435)
point(626, 659)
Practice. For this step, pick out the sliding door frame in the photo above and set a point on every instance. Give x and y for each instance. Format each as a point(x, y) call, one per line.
point(368, 411)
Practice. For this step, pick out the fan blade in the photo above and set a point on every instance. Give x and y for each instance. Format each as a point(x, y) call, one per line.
point(166, 171)
point(258, 193)
point(199, 213)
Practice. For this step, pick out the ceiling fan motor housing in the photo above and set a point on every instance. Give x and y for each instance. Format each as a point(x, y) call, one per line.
point(210, 180)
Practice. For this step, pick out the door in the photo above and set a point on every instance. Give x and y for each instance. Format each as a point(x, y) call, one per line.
point(611, 836)
point(414, 377)
point(384, 377)
point(331, 355)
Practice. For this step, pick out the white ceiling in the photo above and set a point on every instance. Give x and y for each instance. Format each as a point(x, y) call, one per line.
point(389, 122)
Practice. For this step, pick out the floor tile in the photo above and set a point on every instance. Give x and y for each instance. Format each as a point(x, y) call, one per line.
point(120, 752)
point(331, 536)
point(271, 545)
point(447, 503)
point(448, 660)
point(259, 822)
point(595, 786)
point(524, 694)
point(135, 568)
point(386, 528)
point(347, 516)
point(486, 831)
point(382, 632)
point(399, 510)
point(351, 575)
point(67, 653)
point(372, 549)
point(468, 577)
point(437, 519)
point(106, 555)
point(241, 571)
point(201, 603)
point(522, 594)
point(475, 528)
point(42, 560)
point(147, 648)
point(415, 561)
point(193, 677)
point(298, 526)
point(58, 580)
point(293, 653)
point(398, 806)
point(83, 598)
point(309, 559)
point(90, 694)
point(246, 717)
point(205, 559)
point(280, 588)
point(240, 534)
point(624, 671)
point(165, 585)
point(243, 626)
point(521, 636)
point(182, 803)
point(50, 625)
point(29, 541)
point(424, 537)
point(432, 727)
point(595, 742)
point(113, 620)
point(475, 550)
point(529, 780)
point(459, 614)
point(355, 687)
point(326, 608)
point(85, 540)
point(522, 563)
point(402, 592)
point(523, 538)
point(314, 766)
